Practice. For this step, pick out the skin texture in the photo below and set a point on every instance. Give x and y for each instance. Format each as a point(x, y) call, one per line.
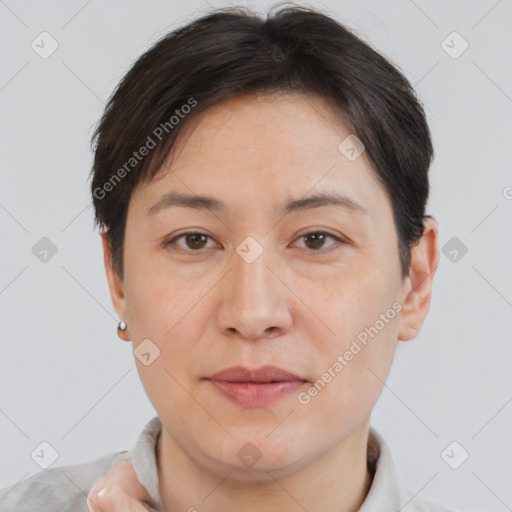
point(298, 305)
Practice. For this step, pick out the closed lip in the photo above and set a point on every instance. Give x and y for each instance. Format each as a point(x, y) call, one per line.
point(262, 374)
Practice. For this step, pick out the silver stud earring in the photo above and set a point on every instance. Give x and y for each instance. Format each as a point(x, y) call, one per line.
point(121, 328)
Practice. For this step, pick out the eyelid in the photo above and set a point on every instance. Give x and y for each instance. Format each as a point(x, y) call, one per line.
point(172, 240)
point(337, 238)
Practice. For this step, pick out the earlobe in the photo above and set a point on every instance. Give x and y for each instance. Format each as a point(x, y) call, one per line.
point(115, 284)
point(417, 291)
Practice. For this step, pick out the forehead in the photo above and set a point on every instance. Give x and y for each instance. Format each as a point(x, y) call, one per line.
point(289, 124)
point(267, 150)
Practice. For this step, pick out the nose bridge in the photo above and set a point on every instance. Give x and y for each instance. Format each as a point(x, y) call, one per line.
point(250, 273)
point(255, 301)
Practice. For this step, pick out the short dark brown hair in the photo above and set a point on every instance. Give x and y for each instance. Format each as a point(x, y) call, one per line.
point(232, 52)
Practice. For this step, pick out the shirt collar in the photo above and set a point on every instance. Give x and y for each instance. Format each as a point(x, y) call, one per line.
point(384, 495)
point(143, 457)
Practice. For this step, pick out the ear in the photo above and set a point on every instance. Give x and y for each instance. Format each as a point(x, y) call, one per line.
point(115, 284)
point(418, 285)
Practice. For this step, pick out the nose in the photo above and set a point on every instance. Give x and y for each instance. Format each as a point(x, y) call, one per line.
point(255, 303)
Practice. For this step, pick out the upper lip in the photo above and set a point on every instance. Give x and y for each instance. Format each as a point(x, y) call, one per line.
point(262, 374)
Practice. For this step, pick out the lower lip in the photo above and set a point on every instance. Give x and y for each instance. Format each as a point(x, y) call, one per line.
point(250, 394)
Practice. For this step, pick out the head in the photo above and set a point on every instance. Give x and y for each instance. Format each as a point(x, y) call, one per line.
point(206, 160)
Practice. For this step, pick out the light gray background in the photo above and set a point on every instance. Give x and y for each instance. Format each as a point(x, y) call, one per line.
point(65, 376)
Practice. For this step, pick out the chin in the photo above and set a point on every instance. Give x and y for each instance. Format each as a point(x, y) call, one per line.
point(248, 460)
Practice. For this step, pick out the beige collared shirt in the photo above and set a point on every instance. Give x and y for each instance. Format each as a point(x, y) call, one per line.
point(65, 488)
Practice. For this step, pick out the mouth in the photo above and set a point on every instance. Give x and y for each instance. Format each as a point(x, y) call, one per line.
point(255, 387)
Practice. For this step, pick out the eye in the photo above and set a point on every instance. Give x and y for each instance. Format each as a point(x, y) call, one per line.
point(194, 241)
point(317, 240)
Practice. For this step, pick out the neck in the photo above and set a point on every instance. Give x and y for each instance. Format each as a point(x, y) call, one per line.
point(337, 481)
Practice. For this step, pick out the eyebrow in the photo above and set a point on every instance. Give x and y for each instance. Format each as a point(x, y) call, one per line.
point(208, 203)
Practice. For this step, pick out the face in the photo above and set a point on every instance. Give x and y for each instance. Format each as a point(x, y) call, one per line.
point(252, 284)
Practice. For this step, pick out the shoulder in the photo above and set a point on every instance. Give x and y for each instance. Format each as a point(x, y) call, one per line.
point(59, 489)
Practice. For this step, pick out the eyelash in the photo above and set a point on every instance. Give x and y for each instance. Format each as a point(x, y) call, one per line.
point(339, 241)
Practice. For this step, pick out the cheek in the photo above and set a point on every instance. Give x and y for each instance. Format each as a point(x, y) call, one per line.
point(361, 310)
point(353, 299)
point(349, 381)
point(173, 315)
point(157, 299)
